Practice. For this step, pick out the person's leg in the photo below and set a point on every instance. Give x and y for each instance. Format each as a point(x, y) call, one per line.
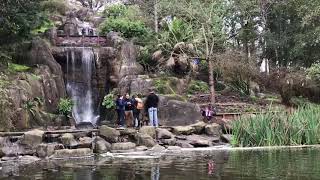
point(138, 118)
point(150, 111)
point(132, 120)
point(155, 117)
point(118, 117)
point(122, 117)
point(127, 118)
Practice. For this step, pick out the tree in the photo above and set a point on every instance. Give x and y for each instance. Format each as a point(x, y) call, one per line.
point(93, 5)
point(206, 18)
point(18, 18)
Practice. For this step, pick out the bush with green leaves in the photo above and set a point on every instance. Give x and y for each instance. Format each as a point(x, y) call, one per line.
point(314, 72)
point(198, 86)
point(126, 20)
point(108, 101)
point(65, 106)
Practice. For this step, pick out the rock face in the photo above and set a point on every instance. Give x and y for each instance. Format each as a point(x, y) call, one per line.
point(46, 150)
point(177, 113)
point(33, 138)
point(109, 134)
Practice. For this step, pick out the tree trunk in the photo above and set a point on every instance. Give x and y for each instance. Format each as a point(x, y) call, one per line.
point(156, 16)
point(211, 83)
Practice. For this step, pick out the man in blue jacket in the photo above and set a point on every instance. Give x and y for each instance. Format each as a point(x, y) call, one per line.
point(120, 107)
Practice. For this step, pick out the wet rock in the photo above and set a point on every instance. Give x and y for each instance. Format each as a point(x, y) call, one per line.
point(101, 146)
point(72, 153)
point(213, 129)
point(170, 142)
point(145, 140)
point(28, 160)
point(164, 134)
point(46, 150)
point(149, 130)
point(226, 138)
point(184, 144)
point(123, 146)
point(157, 148)
point(199, 127)
point(32, 138)
point(109, 134)
point(85, 142)
point(185, 130)
point(68, 140)
point(199, 141)
point(174, 148)
point(141, 148)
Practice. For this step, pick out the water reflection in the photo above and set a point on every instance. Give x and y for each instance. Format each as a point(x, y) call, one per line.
point(249, 165)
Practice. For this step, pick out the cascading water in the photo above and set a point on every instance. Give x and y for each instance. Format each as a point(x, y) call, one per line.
point(79, 86)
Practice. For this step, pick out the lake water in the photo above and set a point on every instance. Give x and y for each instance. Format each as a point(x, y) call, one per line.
point(227, 165)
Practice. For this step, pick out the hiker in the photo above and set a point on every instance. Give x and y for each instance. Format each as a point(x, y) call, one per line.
point(152, 107)
point(120, 110)
point(128, 111)
point(138, 106)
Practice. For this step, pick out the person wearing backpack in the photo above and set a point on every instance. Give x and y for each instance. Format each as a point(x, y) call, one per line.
point(138, 106)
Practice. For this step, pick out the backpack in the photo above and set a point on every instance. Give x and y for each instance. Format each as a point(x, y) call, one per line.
point(139, 103)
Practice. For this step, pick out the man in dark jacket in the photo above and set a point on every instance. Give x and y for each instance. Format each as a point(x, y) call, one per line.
point(120, 110)
point(152, 108)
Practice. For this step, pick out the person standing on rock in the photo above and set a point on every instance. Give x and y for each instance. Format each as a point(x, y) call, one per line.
point(129, 110)
point(152, 107)
point(120, 110)
point(138, 106)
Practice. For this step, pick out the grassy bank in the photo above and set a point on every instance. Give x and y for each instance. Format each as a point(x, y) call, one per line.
point(277, 129)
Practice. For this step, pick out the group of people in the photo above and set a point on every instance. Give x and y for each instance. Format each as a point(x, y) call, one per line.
point(208, 112)
point(129, 110)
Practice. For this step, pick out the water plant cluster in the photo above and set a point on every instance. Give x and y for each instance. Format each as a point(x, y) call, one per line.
point(279, 128)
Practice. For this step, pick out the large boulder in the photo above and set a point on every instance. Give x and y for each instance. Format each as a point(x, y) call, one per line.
point(199, 141)
point(184, 130)
point(164, 134)
point(72, 153)
point(32, 138)
point(213, 129)
point(170, 142)
point(149, 130)
point(183, 144)
point(85, 142)
point(145, 140)
point(109, 134)
point(123, 146)
point(101, 145)
point(173, 112)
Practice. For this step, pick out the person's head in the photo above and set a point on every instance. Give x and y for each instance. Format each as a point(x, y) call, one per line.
point(118, 95)
point(127, 96)
point(151, 91)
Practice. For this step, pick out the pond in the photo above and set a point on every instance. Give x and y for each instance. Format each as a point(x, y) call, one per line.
point(302, 163)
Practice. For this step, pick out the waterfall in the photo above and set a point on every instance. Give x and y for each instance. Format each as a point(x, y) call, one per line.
point(79, 83)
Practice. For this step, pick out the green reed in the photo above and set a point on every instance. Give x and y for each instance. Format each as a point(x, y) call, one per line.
point(279, 128)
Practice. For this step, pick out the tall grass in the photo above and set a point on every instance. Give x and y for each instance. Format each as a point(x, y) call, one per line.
point(276, 129)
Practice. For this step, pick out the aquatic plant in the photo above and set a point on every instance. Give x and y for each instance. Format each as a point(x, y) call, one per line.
point(279, 128)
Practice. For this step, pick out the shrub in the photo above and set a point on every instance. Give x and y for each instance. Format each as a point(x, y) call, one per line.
point(198, 86)
point(65, 106)
point(126, 20)
point(108, 101)
point(314, 72)
point(17, 67)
